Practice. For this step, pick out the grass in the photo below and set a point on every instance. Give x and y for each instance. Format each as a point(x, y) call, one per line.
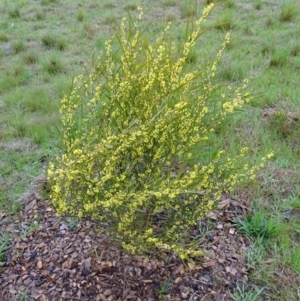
point(288, 11)
point(3, 37)
point(258, 4)
point(189, 8)
point(4, 245)
point(225, 21)
point(279, 58)
point(39, 69)
point(18, 46)
point(40, 15)
point(14, 11)
point(258, 225)
point(54, 41)
point(30, 57)
point(81, 15)
point(246, 293)
point(53, 64)
point(131, 6)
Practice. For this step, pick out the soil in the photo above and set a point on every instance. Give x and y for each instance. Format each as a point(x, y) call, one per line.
point(58, 259)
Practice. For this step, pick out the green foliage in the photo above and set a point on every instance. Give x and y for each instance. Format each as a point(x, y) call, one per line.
point(257, 225)
point(247, 293)
point(295, 259)
point(4, 245)
point(128, 130)
point(164, 289)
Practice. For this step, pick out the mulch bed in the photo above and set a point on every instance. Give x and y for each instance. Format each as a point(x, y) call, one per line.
point(63, 261)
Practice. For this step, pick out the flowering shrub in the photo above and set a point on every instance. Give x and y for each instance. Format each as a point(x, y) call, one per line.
point(128, 130)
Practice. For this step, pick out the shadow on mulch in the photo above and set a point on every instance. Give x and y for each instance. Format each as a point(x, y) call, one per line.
point(63, 261)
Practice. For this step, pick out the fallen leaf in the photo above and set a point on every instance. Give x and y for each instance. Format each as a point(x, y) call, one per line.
point(224, 203)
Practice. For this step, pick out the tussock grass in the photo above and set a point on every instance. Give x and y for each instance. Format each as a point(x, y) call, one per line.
point(225, 21)
point(18, 46)
point(188, 8)
point(53, 64)
point(81, 15)
point(170, 17)
point(48, 2)
point(288, 11)
point(258, 4)
point(14, 11)
point(206, 2)
point(230, 3)
point(267, 49)
point(48, 40)
point(110, 19)
point(169, 3)
point(30, 57)
point(131, 6)
point(40, 15)
point(3, 37)
point(109, 5)
point(295, 50)
point(54, 41)
point(279, 58)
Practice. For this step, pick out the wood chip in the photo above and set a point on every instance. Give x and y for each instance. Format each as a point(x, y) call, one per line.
point(39, 264)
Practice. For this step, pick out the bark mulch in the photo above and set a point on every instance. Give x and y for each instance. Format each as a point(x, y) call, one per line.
point(62, 260)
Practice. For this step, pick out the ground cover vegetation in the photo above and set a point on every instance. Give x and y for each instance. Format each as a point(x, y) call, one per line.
point(44, 44)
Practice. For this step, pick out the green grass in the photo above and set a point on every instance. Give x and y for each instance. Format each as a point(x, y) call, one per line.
point(50, 46)
point(4, 245)
point(289, 11)
point(13, 11)
point(18, 46)
point(30, 57)
point(246, 293)
point(54, 41)
point(189, 8)
point(53, 64)
point(40, 15)
point(258, 225)
point(81, 15)
point(3, 37)
point(258, 4)
point(225, 20)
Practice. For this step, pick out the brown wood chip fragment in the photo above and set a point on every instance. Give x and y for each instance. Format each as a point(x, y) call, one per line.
point(147, 281)
point(209, 264)
point(39, 264)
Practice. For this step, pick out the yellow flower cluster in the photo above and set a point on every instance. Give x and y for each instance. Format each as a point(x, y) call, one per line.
point(128, 130)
